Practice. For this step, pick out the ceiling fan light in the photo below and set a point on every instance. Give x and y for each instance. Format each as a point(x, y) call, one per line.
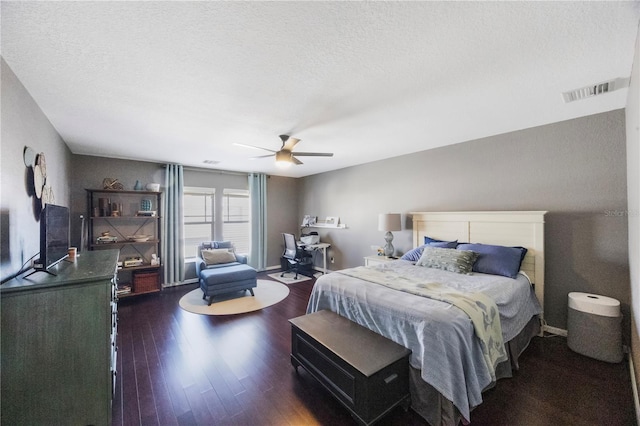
point(283, 159)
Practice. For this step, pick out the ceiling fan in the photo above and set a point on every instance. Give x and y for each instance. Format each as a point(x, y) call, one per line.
point(285, 157)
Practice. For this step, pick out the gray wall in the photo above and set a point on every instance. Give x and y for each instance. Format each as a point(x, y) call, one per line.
point(24, 124)
point(89, 172)
point(576, 170)
point(282, 209)
point(633, 190)
point(282, 215)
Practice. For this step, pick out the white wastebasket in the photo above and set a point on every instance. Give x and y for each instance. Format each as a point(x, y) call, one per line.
point(594, 326)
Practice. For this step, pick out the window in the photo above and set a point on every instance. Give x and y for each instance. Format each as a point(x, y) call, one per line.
point(204, 220)
point(199, 218)
point(235, 217)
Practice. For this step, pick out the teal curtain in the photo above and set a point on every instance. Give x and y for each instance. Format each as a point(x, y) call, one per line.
point(173, 226)
point(258, 196)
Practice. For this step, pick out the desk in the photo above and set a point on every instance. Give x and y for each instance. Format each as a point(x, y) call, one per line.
point(318, 246)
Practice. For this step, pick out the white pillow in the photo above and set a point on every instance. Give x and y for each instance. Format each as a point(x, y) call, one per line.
point(218, 256)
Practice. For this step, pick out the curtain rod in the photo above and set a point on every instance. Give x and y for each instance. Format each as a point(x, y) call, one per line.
point(204, 169)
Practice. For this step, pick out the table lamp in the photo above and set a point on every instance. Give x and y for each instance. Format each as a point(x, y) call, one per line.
point(389, 222)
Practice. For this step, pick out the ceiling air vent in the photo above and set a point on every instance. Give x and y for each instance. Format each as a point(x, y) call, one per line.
point(210, 162)
point(595, 89)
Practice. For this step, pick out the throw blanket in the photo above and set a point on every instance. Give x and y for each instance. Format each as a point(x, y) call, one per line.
point(480, 308)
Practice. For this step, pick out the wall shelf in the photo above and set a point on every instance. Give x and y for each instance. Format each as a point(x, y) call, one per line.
point(322, 225)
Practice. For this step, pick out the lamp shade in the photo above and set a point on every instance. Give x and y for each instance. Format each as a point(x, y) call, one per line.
point(389, 222)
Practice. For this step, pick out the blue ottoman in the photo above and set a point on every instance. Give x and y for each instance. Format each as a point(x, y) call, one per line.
point(228, 279)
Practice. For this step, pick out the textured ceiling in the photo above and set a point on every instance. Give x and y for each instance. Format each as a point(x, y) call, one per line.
point(183, 81)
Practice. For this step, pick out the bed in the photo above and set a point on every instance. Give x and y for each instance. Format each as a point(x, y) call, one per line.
point(451, 362)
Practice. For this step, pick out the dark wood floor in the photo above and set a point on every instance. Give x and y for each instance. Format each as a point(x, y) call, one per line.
point(178, 368)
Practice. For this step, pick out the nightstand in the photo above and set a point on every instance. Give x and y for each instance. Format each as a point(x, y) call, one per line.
point(377, 260)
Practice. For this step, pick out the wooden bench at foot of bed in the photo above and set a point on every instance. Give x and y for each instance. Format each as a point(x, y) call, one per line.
point(366, 372)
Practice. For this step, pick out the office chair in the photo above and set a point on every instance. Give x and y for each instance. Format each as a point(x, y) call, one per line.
point(298, 259)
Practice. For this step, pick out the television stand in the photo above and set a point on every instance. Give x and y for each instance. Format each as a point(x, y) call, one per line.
point(40, 270)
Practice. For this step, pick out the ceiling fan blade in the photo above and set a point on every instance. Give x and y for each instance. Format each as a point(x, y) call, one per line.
point(253, 146)
point(288, 142)
point(314, 154)
point(295, 161)
point(260, 156)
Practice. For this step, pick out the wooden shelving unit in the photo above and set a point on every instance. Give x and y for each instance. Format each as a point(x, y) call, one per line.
point(124, 223)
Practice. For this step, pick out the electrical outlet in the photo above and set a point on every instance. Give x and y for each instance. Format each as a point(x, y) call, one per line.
point(332, 260)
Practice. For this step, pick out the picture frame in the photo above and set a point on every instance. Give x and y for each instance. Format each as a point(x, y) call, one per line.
point(332, 221)
point(308, 220)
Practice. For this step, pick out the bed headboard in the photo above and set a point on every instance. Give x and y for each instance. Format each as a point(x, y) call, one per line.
point(505, 228)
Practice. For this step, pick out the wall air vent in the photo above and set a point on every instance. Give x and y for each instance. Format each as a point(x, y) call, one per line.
point(595, 89)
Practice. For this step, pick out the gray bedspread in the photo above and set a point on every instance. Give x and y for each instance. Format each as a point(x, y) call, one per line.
point(441, 336)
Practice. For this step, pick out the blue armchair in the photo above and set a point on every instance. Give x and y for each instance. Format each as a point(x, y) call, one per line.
point(220, 270)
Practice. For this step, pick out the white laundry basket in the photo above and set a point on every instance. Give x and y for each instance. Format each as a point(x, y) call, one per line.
point(594, 326)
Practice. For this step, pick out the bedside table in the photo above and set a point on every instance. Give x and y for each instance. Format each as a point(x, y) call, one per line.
point(377, 260)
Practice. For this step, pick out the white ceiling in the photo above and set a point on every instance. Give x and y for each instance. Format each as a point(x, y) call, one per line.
point(182, 82)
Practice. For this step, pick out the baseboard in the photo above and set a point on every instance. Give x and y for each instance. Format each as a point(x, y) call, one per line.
point(315, 268)
point(634, 387)
point(189, 281)
point(555, 330)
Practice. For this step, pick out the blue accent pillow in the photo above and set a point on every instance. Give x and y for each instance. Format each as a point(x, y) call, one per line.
point(414, 255)
point(496, 260)
point(429, 240)
point(444, 244)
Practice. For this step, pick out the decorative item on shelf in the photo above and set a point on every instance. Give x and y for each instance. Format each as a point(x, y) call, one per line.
point(123, 289)
point(137, 186)
point(148, 213)
point(309, 220)
point(155, 260)
point(104, 206)
point(155, 187)
point(106, 239)
point(114, 210)
point(332, 221)
point(133, 261)
point(145, 205)
point(138, 238)
point(112, 184)
point(389, 222)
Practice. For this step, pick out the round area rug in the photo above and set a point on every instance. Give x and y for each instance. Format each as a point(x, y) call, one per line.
point(267, 293)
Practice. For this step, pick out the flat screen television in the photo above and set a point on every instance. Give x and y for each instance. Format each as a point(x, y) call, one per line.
point(54, 235)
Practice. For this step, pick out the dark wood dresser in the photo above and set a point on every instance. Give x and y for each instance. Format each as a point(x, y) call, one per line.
point(58, 344)
point(366, 372)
